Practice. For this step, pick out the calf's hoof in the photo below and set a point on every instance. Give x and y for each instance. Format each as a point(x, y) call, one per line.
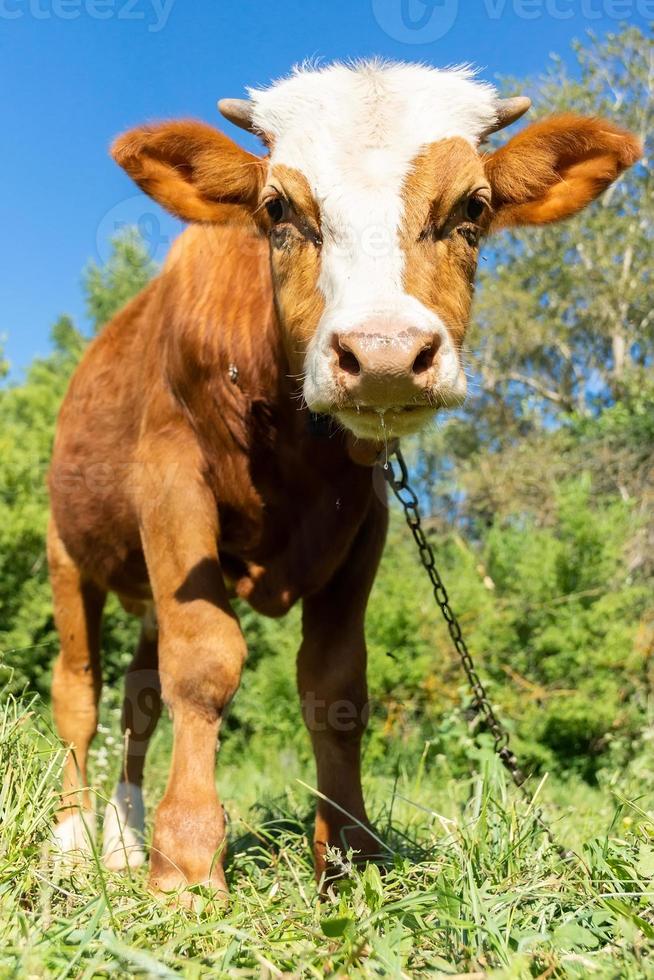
point(73, 837)
point(173, 886)
point(187, 853)
point(363, 842)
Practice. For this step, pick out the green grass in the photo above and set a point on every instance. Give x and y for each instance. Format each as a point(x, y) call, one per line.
point(471, 888)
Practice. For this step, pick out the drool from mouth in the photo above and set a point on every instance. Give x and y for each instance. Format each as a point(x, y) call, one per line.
point(381, 424)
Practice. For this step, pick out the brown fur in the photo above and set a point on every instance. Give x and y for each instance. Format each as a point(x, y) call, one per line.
point(296, 264)
point(171, 477)
point(167, 476)
point(162, 158)
point(556, 167)
point(441, 265)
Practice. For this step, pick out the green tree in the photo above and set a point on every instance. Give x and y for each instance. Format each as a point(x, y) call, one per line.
point(547, 471)
point(563, 324)
point(110, 286)
point(28, 411)
point(564, 317)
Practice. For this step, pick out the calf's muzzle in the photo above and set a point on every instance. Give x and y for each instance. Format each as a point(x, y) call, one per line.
point(383, 364)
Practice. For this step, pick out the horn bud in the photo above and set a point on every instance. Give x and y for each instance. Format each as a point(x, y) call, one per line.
point(239, 112)
point(508, 111)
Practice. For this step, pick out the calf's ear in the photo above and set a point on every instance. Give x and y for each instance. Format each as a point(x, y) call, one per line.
point(554, 168)
point(190, 168)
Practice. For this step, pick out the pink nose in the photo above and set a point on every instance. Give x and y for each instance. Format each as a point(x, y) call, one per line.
point(381, 363)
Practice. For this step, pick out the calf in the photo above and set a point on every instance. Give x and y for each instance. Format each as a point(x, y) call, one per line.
point(332, 277)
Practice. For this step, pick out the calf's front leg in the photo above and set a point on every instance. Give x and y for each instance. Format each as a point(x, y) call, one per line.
point(334, 697)
point(201, 654)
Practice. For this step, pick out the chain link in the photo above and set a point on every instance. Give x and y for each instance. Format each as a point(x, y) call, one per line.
point(398, 480)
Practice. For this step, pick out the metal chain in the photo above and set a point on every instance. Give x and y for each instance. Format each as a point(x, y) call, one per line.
point(399, 484)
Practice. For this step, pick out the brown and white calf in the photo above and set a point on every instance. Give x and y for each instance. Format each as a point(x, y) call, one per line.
point(334, 275)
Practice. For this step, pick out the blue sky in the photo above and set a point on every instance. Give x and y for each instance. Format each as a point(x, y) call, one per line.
point(77, 72)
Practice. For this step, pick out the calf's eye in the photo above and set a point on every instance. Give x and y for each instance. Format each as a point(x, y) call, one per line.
point(277, 209)
point(475, 207)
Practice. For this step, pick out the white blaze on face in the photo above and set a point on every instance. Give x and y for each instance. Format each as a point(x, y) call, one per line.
point(353, 132)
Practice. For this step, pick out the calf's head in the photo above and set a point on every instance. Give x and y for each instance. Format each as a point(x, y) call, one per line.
point(375, 194)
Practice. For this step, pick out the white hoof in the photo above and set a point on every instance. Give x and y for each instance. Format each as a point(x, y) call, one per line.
point(74, 836)
point(124, 825)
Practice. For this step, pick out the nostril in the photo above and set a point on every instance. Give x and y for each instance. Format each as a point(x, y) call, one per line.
point(347, 360)
point(425, 358)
